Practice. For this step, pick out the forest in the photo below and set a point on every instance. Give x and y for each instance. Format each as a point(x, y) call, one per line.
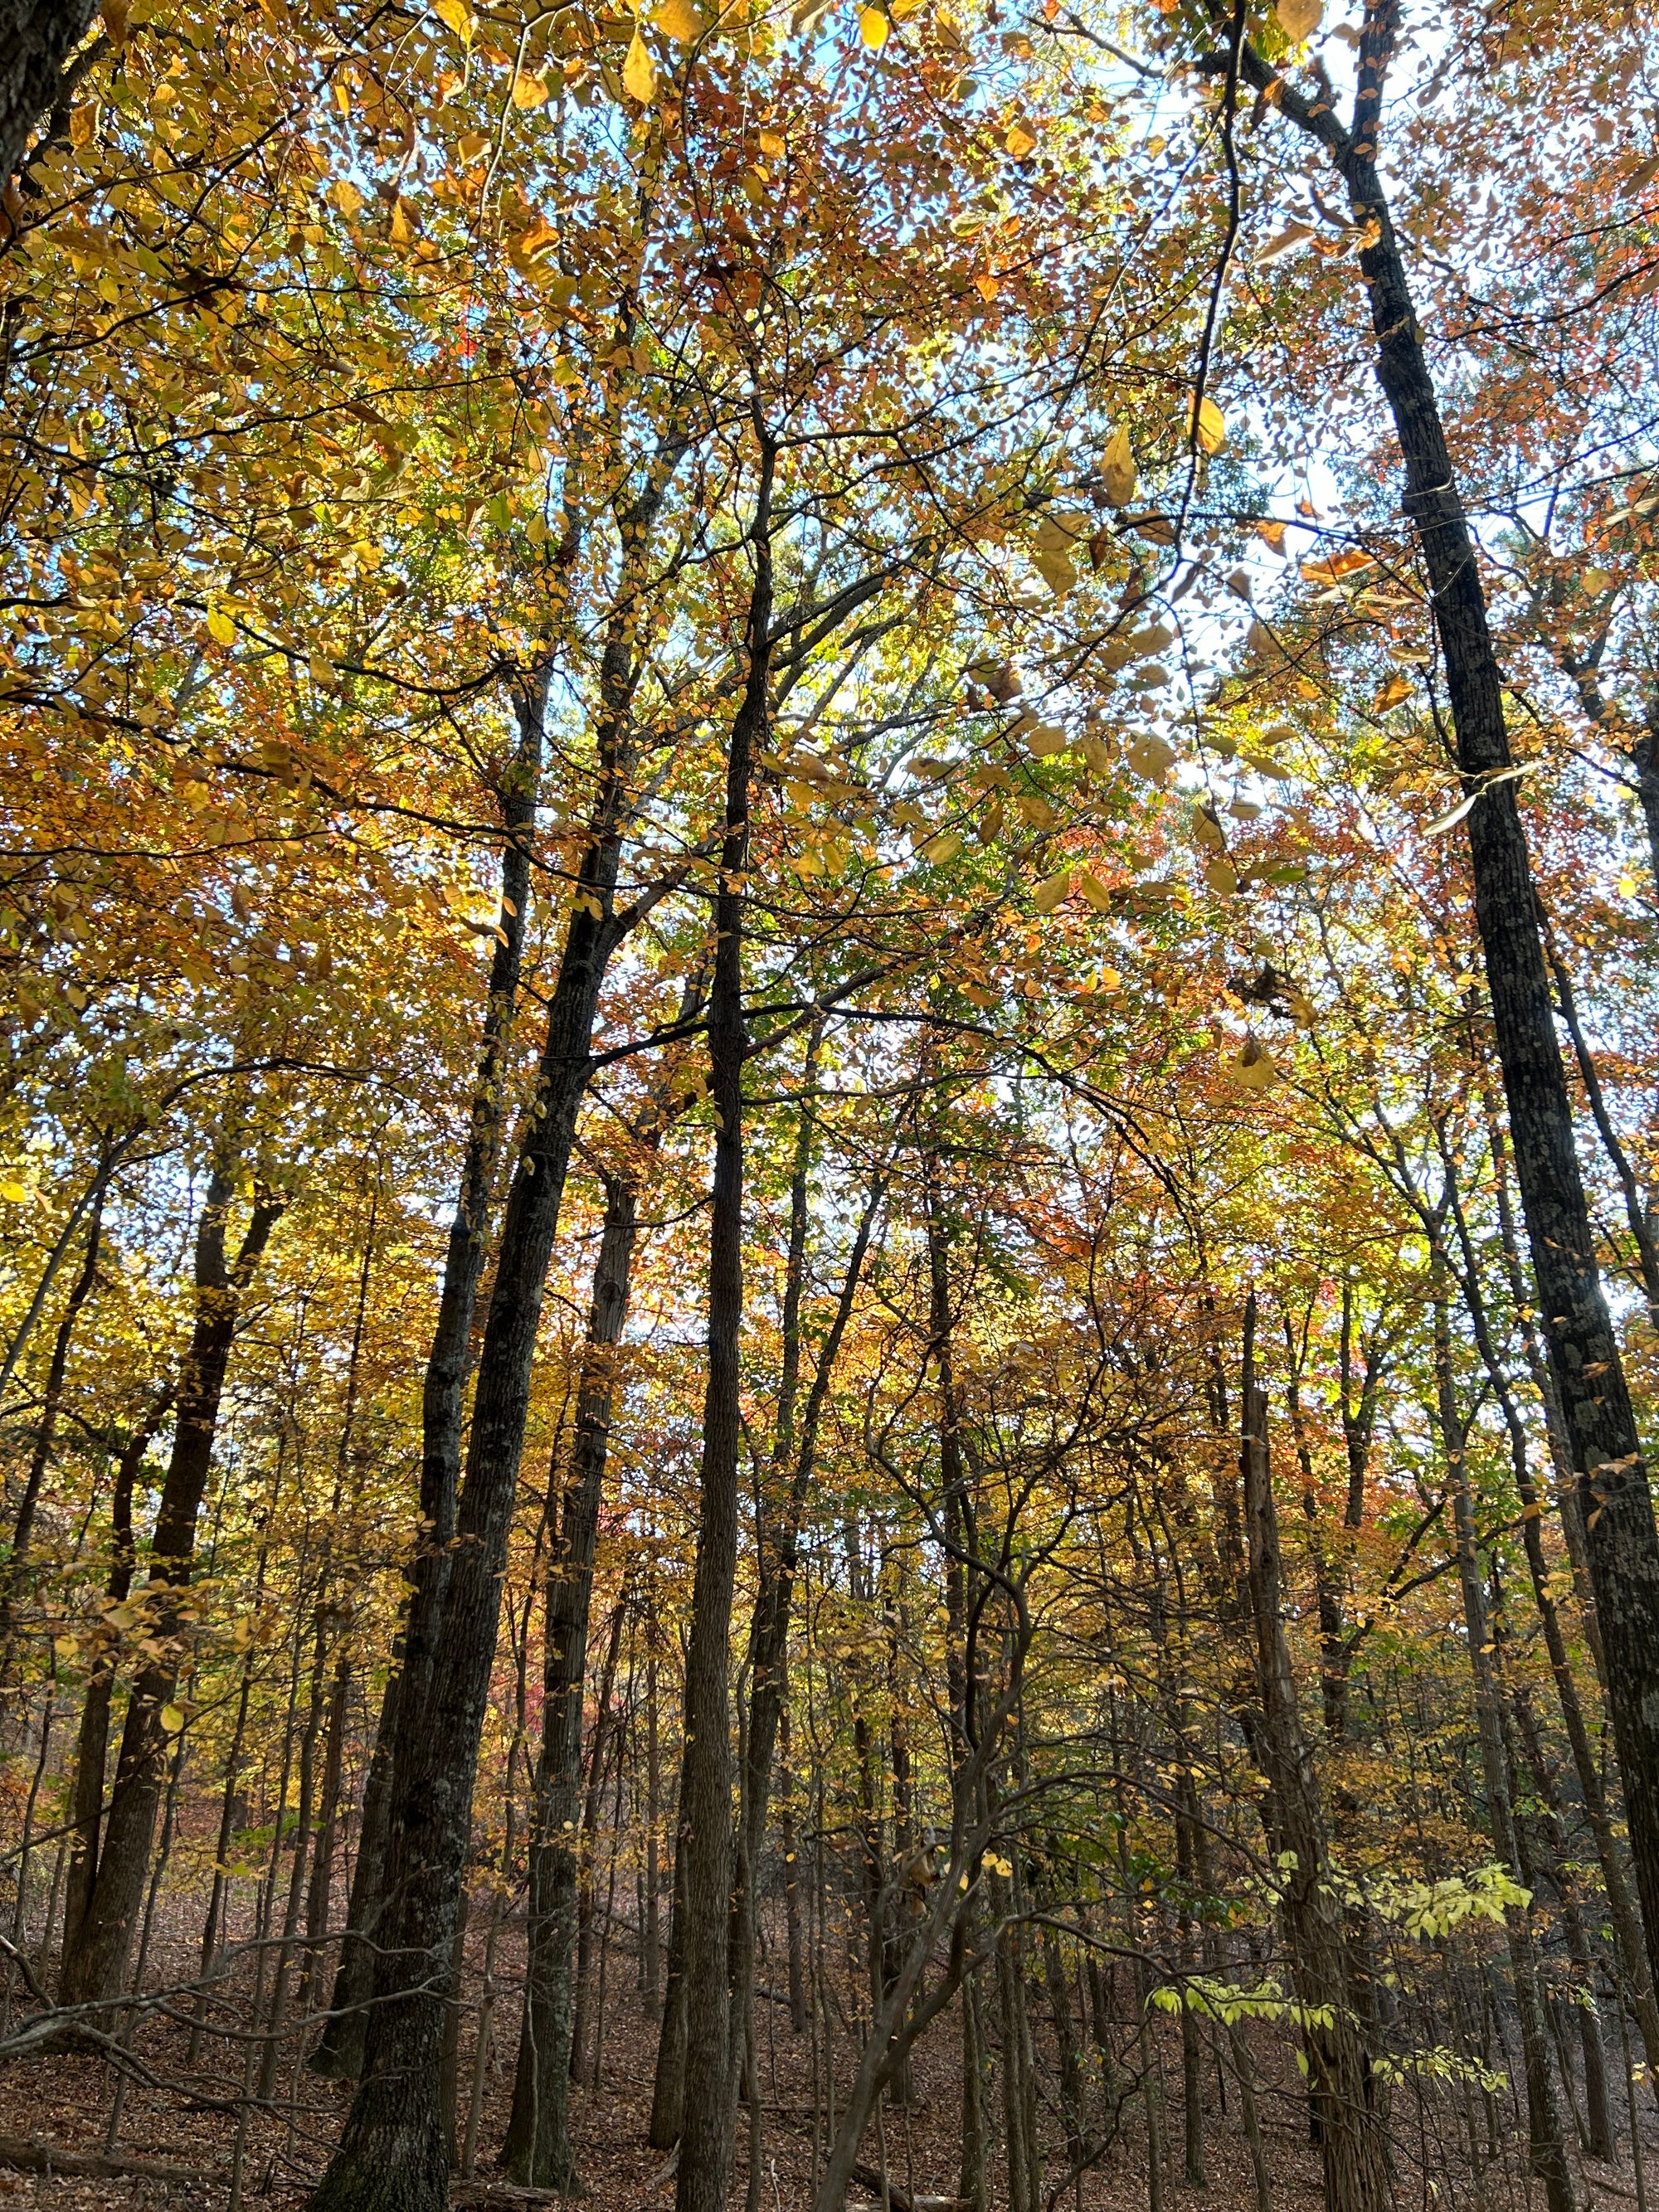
point(830, 1131)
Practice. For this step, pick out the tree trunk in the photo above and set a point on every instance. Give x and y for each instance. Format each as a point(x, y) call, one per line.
point(393, 2154)
point(1622, 1540)
point(36, 75)
point(1353, 2152)
point(92, 1748)
point(705, 1837)
point(322, 1864)
point(340, 2049)
point(338, 2055)
point(1546, 2143)
point(96, 1948)
point(538, 2151)
point(45, 1432)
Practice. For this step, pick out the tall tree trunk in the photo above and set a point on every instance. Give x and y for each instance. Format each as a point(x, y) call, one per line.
point(1622, 1542)
point(769, 1623)
point(45, 1431)
point(92, 1746)
point(705, 1837)
point(1600, 2139)
point(1353, 2153)
point(1621, 1906)
point(651, 1933)
point(95, 1951)
point(538, 2152)
point(607, 1730)
point(393, 2155)
point(1547, 2144)
point(339, 2051)
point(320, 1891)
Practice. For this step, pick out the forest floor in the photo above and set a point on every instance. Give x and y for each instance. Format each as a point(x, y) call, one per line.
point(185, 2141)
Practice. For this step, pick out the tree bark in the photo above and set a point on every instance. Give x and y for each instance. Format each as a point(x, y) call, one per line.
point(393, 2155)
point(1622, 1540)
point(538, 2152)
point(92, 1747)
point(1353, 2152)
point(1547, 2145)
point(96, 1948)
point(340, 2049)
point(706, 1827)
point(37, 38)
point(45, 1432)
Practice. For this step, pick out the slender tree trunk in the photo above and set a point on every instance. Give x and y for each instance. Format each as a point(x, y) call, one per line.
point(339, 2051)
point(606, 1732)
point(45, 1431)
point(538, 2151)
point(394, 2152)
point(790, 1840)
point(1600, 2139)
point(705, 1827)
point(1353, 2153)
point(651, 1933)
point(339, 2054)
point(322, 1863)
point(1621, 1541)
point(1071, 2072)
point(91, 1746)
point(315, 1708)
point(1546, 2143)
point(95, 1951)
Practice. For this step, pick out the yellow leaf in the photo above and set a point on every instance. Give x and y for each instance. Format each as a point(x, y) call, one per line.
point(1048, 894)
point(114, 13)
point(1253, 1068)
point(529, 91)
point(1157, 527)
point(684, 22)
point(1045, 741)
point(639, 74)
point(1221, 876)
point(1094, 891)
point(1056, 572)
point(1299, 19)
point(400, 231)
point(1019, 142)
point(13, 1193)
point(1117, 468)
point(173, 1718)
point(1274, 771)
point(345, 196)
point(221, 627)
point(458, 15)
point(873, 27)
point(1151, 758)
point(470, 144)
point(1595, 581)
point(944, 847)
point(1209, 426)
